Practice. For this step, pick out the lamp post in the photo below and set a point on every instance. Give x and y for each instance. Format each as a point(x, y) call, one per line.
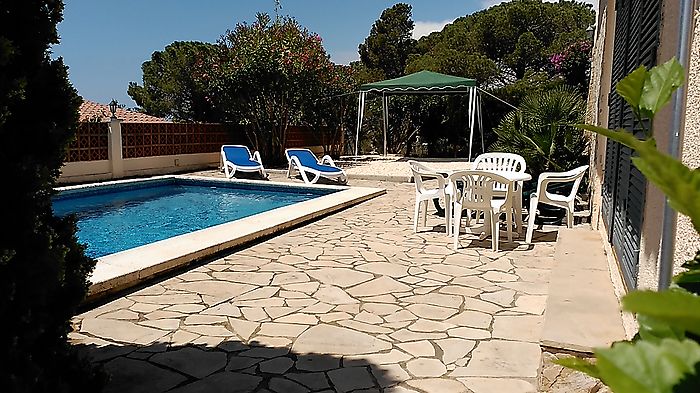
point(113, 108)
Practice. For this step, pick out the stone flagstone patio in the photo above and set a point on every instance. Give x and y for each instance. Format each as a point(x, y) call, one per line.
point(353, 302)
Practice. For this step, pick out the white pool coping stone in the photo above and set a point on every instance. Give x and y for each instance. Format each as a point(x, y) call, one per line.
point(125, 269)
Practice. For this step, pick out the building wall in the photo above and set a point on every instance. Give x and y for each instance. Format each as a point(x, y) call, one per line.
point(687, 240)
point(654, 201)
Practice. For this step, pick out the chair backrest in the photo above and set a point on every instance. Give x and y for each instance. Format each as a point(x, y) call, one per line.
point(305, 156)
point(504, 162)
point(475, 188)
point(421, 172)
point(235, 153)
point(574, 175)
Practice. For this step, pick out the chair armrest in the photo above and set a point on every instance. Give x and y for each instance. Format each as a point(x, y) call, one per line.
point(327, 160)
point(256, 157)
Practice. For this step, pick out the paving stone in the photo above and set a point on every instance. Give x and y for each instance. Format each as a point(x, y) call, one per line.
point(426, 367)
point(519, 328)
point(497, 385)
point(313, 381)
point(305, 287)
point(438, 385)
point(531, 304)
point(146, 308)
point(299, 318)
point(470, 318)
point(121, 314)
point(225, 309)
point(192, 361)
point(418, 348)
point(260, 293)
point(130, 375)
point(220, 290)
point(241, 362)
point(404, 335)
point(281, 329)
point(182, 337)
point(436, 299)
point(454, 349)
point(204, 319)
point(267, 341)
point(425, 325)
point(495, 276)
point(317, 308)
point(163, 314)
point(334, 316)
point(282, 385)
point(368, 317)
point(244, 277)
point(503, 298)
point(222, 382)
point(384, 268)
point(378, 286)
point(276, 366)
point(256, 314)
point(333, 295)
point(277, 312)
point(341, 277)
point(431, 312)
point(389, 374)
point(459, 290)
point(498, 358)
point(185, 308)
point(364, 327)
point(380, 308)
point(403, 315)
point(209, 330)
point(393, 356)
point(338, 341)
point(244, 329)
point(348, 308)
point(262, 352)
point(163, 324)
point(350, 378)
point(469, 333)
point(122, 331)
point(315, 362)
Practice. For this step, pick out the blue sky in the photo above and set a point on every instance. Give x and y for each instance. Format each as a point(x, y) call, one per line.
point(104, 42)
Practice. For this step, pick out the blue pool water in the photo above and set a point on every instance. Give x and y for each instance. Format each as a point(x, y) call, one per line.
point(117, 218)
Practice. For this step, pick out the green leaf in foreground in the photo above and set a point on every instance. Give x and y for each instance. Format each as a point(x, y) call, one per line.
point(631, 87)
point(579, 364)
point(651, 329)
point(659, 85)
point(648, 367)
point(676, 307)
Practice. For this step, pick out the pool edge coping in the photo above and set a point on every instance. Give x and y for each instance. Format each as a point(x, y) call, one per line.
point(123, 270)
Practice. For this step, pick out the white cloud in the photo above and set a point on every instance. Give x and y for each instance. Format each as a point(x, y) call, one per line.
point(422, 28)
point(489, 3)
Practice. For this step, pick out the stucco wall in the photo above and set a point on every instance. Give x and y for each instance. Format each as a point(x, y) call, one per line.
point(687, 240)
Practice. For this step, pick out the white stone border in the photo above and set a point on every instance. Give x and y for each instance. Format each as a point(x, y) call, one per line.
point(128, 268)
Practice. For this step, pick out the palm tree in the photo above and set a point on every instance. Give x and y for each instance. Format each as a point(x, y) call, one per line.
point(542, 131)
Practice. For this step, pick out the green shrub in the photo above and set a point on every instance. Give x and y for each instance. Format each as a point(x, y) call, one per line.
point(43, 269)
point(542, 131)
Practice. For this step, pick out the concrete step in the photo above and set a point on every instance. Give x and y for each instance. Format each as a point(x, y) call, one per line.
point(582, 311)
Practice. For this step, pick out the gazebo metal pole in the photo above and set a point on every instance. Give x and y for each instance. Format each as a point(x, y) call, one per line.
point(471, 120)
point(385, 113)
point(360, 114)
point(480, 120)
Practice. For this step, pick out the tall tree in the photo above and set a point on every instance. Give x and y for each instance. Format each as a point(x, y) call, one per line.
point(170, 89)
point(43, 269)
point(389, 43)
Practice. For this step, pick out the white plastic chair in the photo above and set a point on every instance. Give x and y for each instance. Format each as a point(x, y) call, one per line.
point(505, 162)
point(558, 200)
point(475, 190)
point(425, 194)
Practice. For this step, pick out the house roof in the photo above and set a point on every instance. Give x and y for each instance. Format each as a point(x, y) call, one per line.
point(421, 82)
point(93, 111)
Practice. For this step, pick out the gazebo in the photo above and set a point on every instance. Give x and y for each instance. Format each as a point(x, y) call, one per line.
point(423, 82)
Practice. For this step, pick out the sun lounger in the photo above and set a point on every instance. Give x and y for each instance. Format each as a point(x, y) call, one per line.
point(304, 161)
point(237, 158)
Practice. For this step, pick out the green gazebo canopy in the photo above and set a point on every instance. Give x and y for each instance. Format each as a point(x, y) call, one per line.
point(421, 82)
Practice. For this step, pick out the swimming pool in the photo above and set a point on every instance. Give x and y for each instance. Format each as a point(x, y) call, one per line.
point(118, 217)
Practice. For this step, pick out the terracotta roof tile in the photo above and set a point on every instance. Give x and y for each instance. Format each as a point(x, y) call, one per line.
point(93, 111)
